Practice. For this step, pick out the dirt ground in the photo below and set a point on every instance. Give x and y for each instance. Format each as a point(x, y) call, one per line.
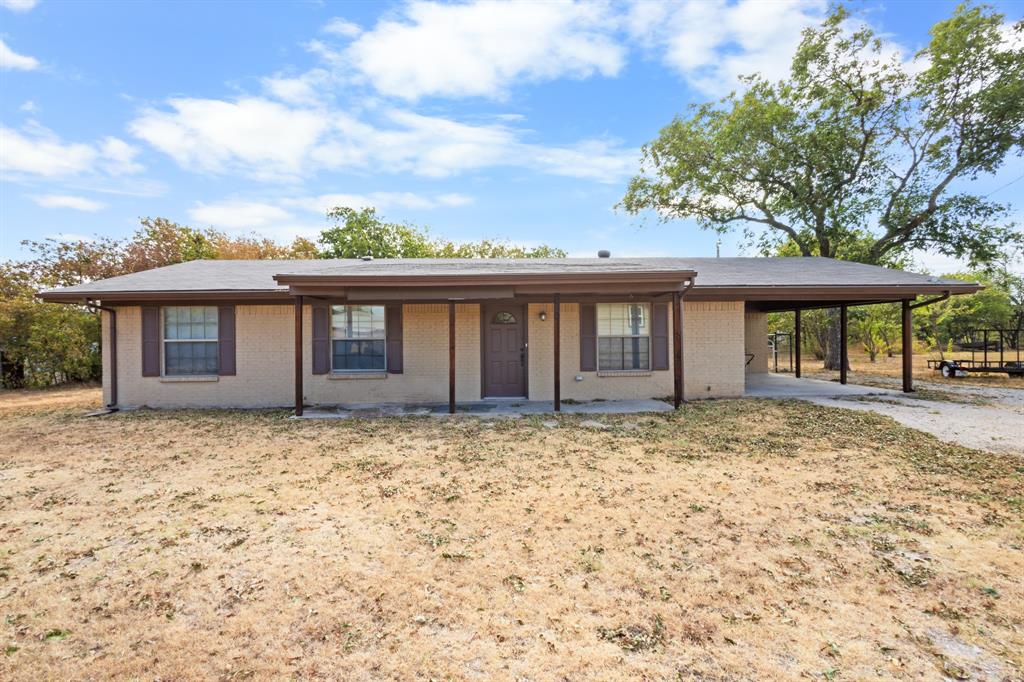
point(861, 366)
point(731, 540)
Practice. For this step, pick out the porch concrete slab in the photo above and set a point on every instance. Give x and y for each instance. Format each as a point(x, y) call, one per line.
point(782, 386)
point(484, 409)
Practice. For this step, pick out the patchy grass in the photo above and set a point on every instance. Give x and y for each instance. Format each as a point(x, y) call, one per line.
point(732, 540)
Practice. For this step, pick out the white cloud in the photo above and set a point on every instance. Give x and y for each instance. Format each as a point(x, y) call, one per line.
point(379, 200)
point(454, 199)
point(29, 107)
point(117, 157)
point(308, 88)
point(712, 43)
point(481, 48)
point(11, 60)
point(40, 152)
point(68, 201)
point(35, 150)
point(233, 214)
point(272, 141)
point(18, 5)
point(268, 139)
point(342, 27)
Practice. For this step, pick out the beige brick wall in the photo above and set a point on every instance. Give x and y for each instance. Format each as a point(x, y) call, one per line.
point(755, 336)
point(425, 360)
point(264, 353)
point(263, 356)
point(713, 342)
point(712, 347)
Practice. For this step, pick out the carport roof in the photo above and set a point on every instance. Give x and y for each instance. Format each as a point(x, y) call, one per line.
point(743, 278)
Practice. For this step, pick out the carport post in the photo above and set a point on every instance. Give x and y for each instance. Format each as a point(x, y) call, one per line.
point(908, 348)
point(843, 323)
point(451, 357)
point(298, 356)
point(796, 339)
point(558, 352)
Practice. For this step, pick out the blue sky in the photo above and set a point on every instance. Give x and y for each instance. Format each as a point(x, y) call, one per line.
point(479, 120)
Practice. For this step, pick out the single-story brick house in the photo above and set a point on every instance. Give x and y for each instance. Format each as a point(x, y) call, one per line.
point(334, 332)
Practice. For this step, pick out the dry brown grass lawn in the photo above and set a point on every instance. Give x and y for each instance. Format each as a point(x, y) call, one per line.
point(892, 368)
point(734, 540)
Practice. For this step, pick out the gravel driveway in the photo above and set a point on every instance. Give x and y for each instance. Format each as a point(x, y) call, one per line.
point(974, 416)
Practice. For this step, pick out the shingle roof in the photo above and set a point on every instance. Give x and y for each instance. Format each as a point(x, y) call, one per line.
point(258, 275)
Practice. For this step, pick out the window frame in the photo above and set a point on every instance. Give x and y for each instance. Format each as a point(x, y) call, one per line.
point(331, 339)
point(648, 310)
point(164, 341)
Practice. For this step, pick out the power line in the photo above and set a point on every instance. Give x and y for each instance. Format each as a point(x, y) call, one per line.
point(1017, 179)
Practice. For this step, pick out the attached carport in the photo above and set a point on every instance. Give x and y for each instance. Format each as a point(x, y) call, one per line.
point(909, 296)
point(769, 285)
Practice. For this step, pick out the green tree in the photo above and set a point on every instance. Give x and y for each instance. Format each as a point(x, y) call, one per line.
point(856, 155)
point(361, 232)
point(44, 343)
point(876, 328)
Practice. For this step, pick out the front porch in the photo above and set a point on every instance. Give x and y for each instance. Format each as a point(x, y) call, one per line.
point(529, 339)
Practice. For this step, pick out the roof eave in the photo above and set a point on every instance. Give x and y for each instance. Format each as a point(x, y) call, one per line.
point(384, 280)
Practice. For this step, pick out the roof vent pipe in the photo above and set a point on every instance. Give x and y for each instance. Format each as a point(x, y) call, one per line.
point(366, 258)
point(604, 254)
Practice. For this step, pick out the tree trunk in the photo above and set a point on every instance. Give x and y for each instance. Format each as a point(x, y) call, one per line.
point(834, 345)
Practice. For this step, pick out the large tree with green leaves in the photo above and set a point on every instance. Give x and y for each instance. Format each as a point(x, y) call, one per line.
point(361, 232)
point(858, 154)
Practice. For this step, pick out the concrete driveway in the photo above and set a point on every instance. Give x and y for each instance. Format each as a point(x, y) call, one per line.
point(977, 417)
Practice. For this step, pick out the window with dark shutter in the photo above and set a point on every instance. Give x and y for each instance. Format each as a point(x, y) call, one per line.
point(150, 341)
point(588, 337)
point(321, 339)
point(226, 339)
point(659, 336)
point(393, 317)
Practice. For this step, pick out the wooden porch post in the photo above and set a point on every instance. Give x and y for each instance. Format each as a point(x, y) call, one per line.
point(298, 356)
point(796, 339)
point(677, 347)
point(908, 349)
point(451, 357)
point(558, 352)
point(843, 322)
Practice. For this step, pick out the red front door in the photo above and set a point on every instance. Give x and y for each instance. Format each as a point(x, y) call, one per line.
point(504, 351)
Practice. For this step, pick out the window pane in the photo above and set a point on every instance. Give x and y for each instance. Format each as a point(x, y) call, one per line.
point(357, 322)
point(359, 355)
point(622, 319)
point(503, 317)
point(190, 357)
point(623, 352)
point(190, 322)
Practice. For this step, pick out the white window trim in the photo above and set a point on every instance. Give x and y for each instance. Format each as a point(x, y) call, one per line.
point(363, 373)
point(164, 340)
point(648, 317)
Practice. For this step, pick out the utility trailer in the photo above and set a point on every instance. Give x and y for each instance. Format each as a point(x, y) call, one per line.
point(991, 351)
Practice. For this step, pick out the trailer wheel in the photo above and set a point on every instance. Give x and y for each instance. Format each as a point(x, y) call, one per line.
point(947, 371)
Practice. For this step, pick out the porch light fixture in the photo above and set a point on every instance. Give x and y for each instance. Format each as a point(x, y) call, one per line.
point(543, 316)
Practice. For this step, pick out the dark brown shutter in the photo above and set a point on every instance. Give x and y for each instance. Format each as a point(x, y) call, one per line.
point(150, 341)
point(393, 322)
point(226, 340)
point(659, 336)
point(588, 337)
point(321, 339)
